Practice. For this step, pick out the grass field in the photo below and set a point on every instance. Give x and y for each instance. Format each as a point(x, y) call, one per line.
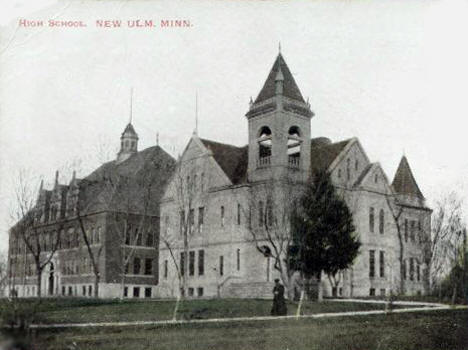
point(91, 310)
point(406, 331)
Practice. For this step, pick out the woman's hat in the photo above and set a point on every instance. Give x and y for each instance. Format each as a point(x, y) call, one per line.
point(276, 280)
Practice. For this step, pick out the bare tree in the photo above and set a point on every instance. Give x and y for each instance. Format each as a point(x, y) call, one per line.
point(39, 246)
point(3, 274)
point(396, 211)
point(270, 210)
point(444, 250)
point(135, 193)
point(446, 218)
point(184, 191)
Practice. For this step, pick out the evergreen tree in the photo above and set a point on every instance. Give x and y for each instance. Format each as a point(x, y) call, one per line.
point(323, 229)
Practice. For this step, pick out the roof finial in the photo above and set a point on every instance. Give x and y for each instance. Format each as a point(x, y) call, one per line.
point(279, 47)
point(56, 177)
point(74, 175)
point(157, 139)
point(131, 105)
point(41, 186)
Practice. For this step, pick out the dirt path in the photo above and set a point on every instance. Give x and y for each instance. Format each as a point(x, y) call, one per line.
point(415, 307)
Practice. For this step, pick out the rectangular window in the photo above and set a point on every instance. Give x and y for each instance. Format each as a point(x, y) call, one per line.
point(182, 221)
point(411, 269)
point(381, 221)
point(420, 239)
point(404, 269)
point(136, 266)
point(418, 272)
point(149, 239)
point(63, 290)
point(138, 237)
point(127, 236)
point(382, 263)
point(90, 291)
point(221, 265)
point(190, 292)
point(192, 220)
point(200, 291)
point(371, 219)
point(201, 218)
point(371, 263)
point(268, 269)
point(382, 292)
point(238, 214)
point(136, 292)
point(222, 216)
point(372, 292)
point(148, 266)
point(201, 262)
point(260, 214)
point(148, 292)
point(406, 230)
point(165, 268)
point(238, 259)
point(182, 263)
point(70, 290)
point(125, 292)
point(83, 291)
point(191, 263)
point(412, 226)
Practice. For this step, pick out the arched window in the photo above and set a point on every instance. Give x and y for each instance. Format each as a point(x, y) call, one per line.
point(381, 221)
point(264, 146)
point(264, 132)
point(294, 147)
point(356, 165)
point(294, 131)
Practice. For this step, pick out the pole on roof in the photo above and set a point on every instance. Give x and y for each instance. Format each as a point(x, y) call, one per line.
point(196, 113)
point(131, 105)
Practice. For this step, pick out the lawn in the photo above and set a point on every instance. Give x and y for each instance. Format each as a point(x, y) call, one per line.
point(89, 310)
point(423, 330)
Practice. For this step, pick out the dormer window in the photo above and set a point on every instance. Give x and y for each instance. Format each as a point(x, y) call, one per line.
point(294, 147)
point(264, 146)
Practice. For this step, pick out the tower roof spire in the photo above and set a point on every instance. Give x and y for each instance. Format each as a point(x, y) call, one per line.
point(404, 181)
point(280, 70)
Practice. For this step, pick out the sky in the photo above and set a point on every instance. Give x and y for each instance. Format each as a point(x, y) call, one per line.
point(392, 73)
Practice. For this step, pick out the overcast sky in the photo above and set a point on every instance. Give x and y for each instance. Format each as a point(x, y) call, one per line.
point(392, 73)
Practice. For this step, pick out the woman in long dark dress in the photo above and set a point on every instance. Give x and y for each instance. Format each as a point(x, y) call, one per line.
point(279, 303)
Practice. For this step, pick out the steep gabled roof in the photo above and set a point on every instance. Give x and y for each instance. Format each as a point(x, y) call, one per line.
point(232, 160)
point(404, 182)
point(118, 185)
point(322, 155)
point(129, 129)
point(290, 88)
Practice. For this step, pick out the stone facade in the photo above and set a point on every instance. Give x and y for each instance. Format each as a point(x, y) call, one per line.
point(226, 186)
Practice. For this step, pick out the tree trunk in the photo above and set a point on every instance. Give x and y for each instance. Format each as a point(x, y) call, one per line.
point(96, 285)
point(454, 295)
point(122, 285)
point(39, 282)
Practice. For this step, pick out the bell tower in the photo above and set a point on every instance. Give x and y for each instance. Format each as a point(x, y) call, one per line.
point(129, 138)
point(279, 128)
point(128, 143)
